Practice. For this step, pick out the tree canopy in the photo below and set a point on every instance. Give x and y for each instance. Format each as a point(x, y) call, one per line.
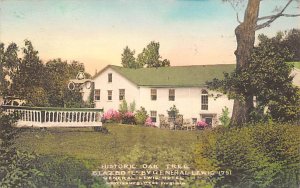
point(268, 78)
point(128, 59)
point(39, 84)
point(149, 57)
point(245, 38)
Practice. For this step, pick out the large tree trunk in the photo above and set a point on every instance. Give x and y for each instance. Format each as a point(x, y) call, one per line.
point(245, 37)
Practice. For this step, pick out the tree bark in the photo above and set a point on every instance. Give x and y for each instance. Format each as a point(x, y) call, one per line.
point(245, 37)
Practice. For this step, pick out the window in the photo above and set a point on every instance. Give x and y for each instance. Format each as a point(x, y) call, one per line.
point(204, 100)
point(171, 94)
point(110, 77)
point(153, 115)
point(121, 94)
point(153, 94)
point(97, 95)
point(109, 95)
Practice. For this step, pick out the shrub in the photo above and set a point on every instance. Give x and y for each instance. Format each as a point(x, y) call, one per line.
point(132, 106)
point(264, 155)
point(201, 124)
point(64, 172)
point(126, 114)
point(141, 116)
point(149, 122)
point(111, 116)
point(37, 97)
point(16, 167)
point(173, 111)
point(128, 118)
point(123, 107)
point(225, 119)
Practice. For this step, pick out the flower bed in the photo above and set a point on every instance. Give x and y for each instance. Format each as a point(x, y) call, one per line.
point(111, 116)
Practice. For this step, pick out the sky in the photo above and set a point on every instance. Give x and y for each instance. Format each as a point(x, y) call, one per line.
point(95, 32)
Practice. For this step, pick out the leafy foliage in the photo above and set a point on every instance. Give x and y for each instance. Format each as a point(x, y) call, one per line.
point(132, 106)
point(123, 107)
point(173, 111)
point(140, 116)
point(127, 113)
point(292, 42)
point(268, 78)
point(16, 167)
point(128, 59)
point(150, 56)
point(264, 155)
point(39, 84)
point(91, 99)
point(73, 99)
point(64, 172)
point(28, 74)
point(57, 75)
point(225, 119)
point(128, 118)
point(8, 60)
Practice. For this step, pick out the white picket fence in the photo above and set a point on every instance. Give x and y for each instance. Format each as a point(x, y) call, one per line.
point(55, 117)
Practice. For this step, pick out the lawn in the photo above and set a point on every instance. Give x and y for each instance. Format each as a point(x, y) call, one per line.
point(296, 64)
point(123, 144)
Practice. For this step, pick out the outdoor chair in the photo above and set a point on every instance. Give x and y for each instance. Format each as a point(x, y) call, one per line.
point(178, 122)
point(163, 121)
point(188, 125)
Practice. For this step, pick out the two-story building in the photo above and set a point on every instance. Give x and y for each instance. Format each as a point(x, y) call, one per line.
point(158, 89)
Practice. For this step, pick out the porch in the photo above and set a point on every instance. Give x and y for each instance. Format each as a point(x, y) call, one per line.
point(55, 117)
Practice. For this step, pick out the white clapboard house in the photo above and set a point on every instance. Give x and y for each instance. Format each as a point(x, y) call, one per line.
point(158, 89)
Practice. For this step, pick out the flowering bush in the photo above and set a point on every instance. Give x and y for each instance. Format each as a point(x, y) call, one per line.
point(111, 116)
point(149, 122)
point(128, 118)
point(201, 124)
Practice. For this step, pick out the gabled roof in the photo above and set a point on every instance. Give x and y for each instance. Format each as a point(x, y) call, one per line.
point(174, 76)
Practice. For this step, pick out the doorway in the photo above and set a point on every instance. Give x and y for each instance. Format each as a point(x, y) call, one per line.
point(210, 119)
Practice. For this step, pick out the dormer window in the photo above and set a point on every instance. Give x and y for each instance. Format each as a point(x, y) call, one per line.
point(109, 77)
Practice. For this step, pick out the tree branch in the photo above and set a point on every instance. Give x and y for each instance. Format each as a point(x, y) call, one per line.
point(272, 18)
point(237, 18)
point(237, 14)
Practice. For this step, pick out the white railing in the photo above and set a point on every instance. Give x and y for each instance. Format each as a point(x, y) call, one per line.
point(55, 117)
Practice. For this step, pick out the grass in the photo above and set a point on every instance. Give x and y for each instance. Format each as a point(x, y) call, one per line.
point(124, 144)
point(296, 64)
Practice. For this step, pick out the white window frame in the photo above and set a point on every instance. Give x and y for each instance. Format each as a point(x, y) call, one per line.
point(171, 94)
point(204, 100)
point(97, 95)
point(153, 116)
point(121, 94)
point(109, 95)
point(109, 77)
point(153, 94)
